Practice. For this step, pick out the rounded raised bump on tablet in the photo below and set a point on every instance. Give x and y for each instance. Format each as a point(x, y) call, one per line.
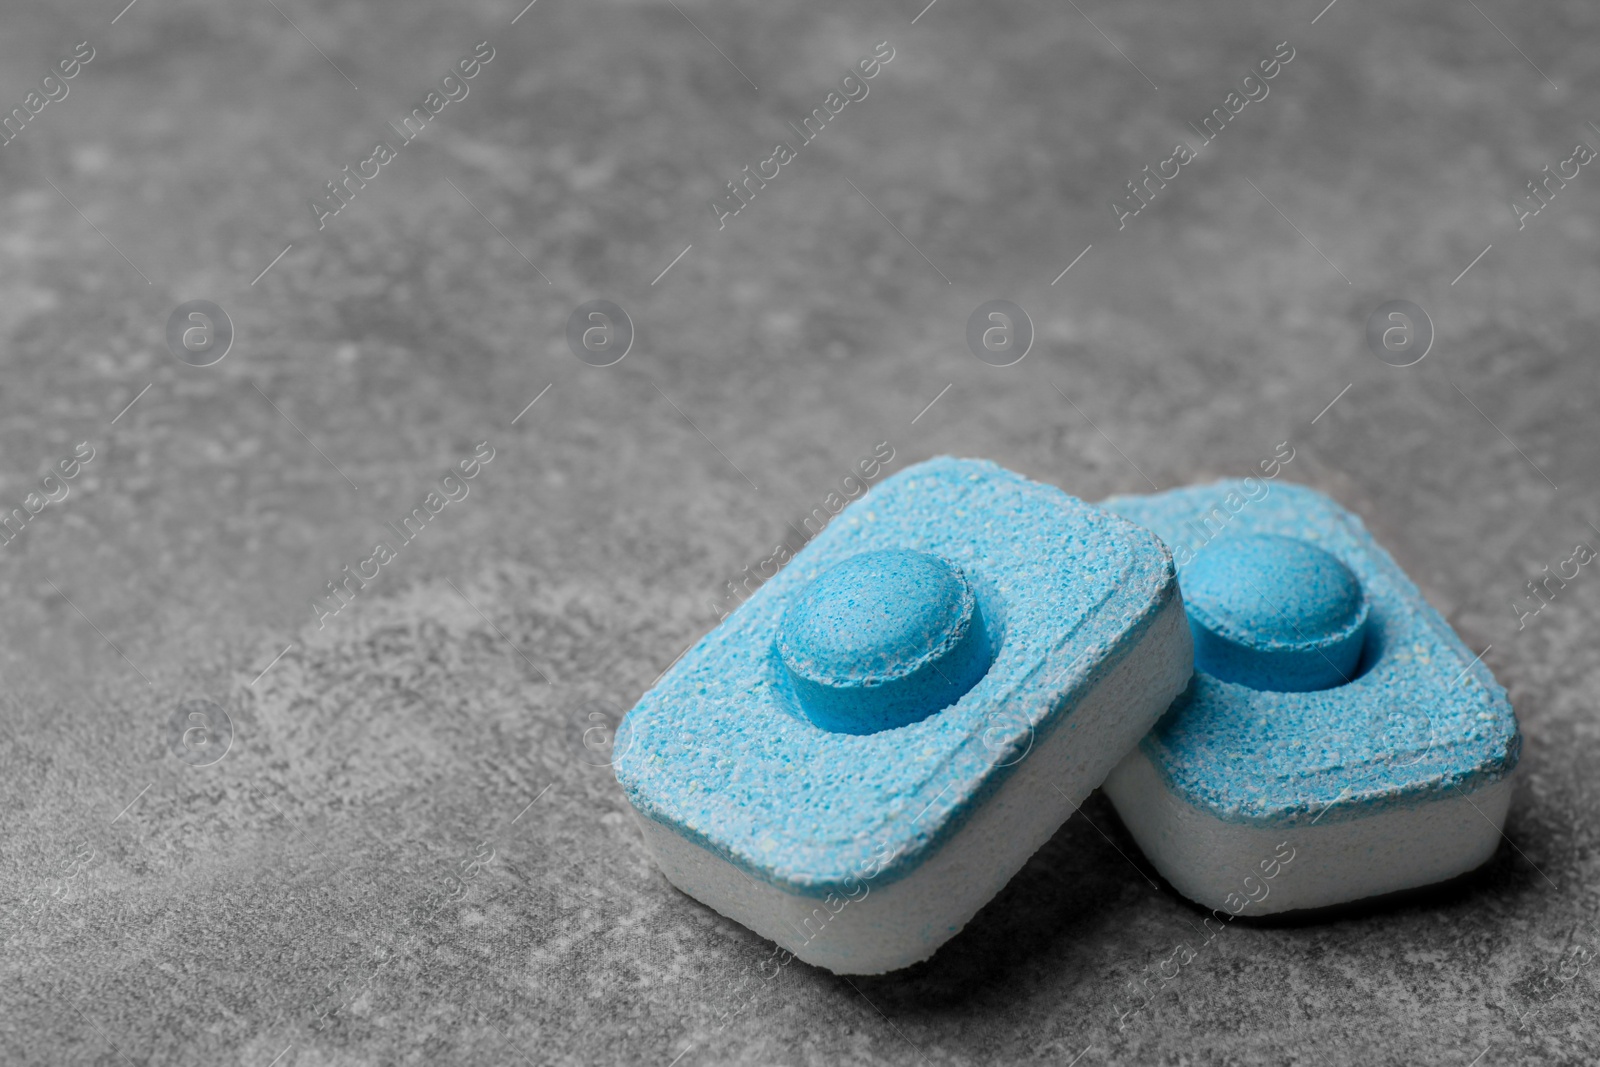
point(883, 639)
point(1275, 613)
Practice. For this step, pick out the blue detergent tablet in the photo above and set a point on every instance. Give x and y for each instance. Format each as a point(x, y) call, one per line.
point(1338, 741)
point(862, 755)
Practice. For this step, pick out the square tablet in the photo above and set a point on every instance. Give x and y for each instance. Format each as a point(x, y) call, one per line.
point(859, 757)
point(1334, 718)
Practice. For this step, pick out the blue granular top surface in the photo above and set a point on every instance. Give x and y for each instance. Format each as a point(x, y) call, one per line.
point(1419, 720)
point(720, 753)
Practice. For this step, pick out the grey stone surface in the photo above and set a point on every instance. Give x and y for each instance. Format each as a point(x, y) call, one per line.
point(406, 855)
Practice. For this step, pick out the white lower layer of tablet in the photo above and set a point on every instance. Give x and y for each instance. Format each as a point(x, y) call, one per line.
point(1218, 863)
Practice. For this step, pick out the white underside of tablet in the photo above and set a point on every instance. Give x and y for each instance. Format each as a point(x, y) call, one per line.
point(1336, 860)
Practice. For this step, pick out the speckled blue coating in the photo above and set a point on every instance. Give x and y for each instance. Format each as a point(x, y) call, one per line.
point(1274, 612)
point(1421, 719)
point(720, 753)
point(882, 640)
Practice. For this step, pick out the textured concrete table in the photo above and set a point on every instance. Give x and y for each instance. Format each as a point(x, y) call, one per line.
point(241, 826)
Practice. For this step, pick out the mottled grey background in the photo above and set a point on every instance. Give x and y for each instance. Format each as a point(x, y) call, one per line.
point(293, 902)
